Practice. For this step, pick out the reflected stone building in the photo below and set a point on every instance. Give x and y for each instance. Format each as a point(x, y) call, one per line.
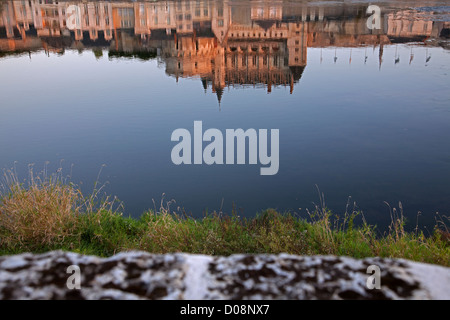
point(240, 48)
point(223, 43)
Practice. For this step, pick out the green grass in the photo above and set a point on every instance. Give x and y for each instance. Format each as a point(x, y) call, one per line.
point(50, 214)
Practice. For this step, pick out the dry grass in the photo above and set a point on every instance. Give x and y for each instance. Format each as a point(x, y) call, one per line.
point(48, 213)
point(42, 211)
point(45, 210)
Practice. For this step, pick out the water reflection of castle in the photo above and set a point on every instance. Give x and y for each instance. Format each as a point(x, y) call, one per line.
point(224, 43)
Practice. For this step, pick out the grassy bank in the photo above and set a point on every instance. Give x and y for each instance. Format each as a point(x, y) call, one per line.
point(49, 214)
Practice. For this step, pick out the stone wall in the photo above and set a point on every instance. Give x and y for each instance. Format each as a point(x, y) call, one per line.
point(139, 275)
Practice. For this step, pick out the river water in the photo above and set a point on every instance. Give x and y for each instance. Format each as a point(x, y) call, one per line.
point(361, 112)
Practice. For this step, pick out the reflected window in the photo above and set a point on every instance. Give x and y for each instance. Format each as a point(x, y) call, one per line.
point(273, 12)
point(260, 12)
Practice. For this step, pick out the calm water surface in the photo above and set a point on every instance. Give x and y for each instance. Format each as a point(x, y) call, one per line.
point(361, 113)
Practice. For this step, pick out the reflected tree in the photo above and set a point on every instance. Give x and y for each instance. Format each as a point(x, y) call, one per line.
point(98, 52)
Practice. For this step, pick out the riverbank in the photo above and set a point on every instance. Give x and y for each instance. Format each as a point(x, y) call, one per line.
point(50, 215)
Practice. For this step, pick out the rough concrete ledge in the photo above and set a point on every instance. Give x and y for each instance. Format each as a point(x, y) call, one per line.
point(140, 275)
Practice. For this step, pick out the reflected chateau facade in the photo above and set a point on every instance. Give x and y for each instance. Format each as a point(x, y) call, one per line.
point(224, 43)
